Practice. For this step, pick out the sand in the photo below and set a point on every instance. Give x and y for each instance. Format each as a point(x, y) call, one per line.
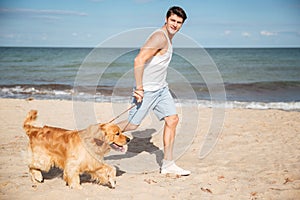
point(257, 156)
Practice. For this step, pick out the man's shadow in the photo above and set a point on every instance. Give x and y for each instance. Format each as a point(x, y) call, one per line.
point(139, 143)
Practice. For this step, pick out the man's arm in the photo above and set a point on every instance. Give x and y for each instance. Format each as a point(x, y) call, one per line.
point(152, 47)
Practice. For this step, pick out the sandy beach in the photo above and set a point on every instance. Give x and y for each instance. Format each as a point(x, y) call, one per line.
point(257, 157)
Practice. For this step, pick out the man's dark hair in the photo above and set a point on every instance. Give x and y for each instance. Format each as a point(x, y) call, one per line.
point(177, 11)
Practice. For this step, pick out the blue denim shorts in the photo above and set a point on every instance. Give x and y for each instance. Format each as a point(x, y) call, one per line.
point(160, 101)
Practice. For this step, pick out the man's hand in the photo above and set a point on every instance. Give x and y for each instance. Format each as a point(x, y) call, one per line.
point(139, 95)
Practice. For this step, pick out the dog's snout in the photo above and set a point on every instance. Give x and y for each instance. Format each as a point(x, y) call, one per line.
point(127, 140)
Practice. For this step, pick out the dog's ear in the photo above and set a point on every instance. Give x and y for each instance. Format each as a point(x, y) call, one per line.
point(103, 128)
point(98, 142)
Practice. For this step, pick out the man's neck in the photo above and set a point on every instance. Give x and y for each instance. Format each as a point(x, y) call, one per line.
point(169, 34)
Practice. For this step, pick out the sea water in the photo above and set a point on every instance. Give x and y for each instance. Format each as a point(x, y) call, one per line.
point(260, 78)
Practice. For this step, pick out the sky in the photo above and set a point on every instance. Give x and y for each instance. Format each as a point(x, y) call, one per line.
point(211, 23)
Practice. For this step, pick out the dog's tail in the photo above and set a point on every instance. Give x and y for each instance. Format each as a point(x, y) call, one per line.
point(31, 116)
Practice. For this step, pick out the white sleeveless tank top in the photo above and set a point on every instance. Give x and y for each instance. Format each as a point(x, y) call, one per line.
point(155, 69)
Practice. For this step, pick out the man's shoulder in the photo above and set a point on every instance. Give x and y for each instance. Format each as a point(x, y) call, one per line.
point(158, 35)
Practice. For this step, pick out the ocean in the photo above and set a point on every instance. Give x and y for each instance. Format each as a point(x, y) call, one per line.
point(260, 78)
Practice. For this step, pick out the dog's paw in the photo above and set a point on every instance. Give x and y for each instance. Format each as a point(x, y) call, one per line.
point(112, 183)
point(112, 177)
point(36, 176)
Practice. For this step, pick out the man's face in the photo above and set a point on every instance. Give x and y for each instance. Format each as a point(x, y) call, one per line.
point(173, 24)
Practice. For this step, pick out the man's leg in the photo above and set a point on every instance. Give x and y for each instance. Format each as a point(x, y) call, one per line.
point(126, 126)
point(169, 136)
point(168, 165)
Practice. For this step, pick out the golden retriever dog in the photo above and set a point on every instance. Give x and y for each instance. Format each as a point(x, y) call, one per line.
point(75, 152)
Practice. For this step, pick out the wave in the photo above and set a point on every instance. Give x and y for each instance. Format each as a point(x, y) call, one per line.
point(267, 85)
point(50, 91)
point(106, 94)
point(289, 106)
point(61, 91)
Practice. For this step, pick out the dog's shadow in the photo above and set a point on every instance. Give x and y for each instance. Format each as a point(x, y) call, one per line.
point(140, 142)
point(56, 172)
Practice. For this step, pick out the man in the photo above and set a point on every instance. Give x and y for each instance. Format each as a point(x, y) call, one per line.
point(152, 92)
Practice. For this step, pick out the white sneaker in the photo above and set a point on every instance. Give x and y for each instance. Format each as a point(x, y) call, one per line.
point(169, 167)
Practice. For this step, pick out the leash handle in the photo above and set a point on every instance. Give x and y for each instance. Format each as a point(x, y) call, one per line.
point(122, 113)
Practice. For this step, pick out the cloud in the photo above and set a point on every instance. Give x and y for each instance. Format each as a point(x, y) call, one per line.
point(246, 34)
point(8, 35)
point(48, 18)
point(44, 36)
point(45, 12)
point(268, 33)
point(227, 32)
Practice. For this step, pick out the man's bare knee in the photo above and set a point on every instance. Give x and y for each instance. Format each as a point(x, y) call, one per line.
point(172, 120)
point(130, 127)
point(126, 126)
